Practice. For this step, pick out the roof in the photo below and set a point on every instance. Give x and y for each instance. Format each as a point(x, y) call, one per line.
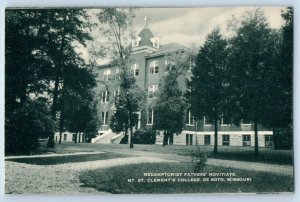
point(167, 48)
point(146, 35)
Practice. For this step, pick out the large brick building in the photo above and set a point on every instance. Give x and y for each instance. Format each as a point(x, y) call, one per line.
point(149, 64)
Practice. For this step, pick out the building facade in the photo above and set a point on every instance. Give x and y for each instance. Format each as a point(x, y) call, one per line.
point(149, 65)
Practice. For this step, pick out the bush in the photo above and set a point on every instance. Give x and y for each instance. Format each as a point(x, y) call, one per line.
point(199, 159)
point(144, 137)
point(25, 125)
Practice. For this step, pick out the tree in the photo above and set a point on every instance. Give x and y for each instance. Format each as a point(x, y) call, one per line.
point(170, 103)
point(278, 113)
point(252, 50)
point(208, 87)
point(65, 29)
point(116, 23)
point(79, 101)
point(26, 78)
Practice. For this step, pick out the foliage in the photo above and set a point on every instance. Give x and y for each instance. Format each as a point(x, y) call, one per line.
point(116, 23)
point(144, 137)
point(30, 121)
point(170, 103)
point(41, 55)
point(251, 60)
point(199, 159)
point(208, 87)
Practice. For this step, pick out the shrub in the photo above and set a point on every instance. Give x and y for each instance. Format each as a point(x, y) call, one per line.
point(25, 125)
point(198, 160)
point(144, 137)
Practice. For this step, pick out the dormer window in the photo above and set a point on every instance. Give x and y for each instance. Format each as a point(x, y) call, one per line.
point(136, 42)
point(155, 42)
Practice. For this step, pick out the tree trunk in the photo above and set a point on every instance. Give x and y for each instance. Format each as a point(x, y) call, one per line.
point(255, 140)
point(216, 136)
point(130, 127)
point(60, 134)
point(171, 138)
point(275, 134)
point(165, 138)
point(58, 69)
point(79, 140)
point(75, 139)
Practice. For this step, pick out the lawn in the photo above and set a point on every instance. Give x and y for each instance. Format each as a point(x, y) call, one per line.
point(54, 160)
point(266, 155)
point(124, 179)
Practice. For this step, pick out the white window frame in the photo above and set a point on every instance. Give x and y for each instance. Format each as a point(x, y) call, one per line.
point(152, 117)
point(104, 118)
point(151, 90)
point(191, 119)
point(136, 42)
point(135, 69)
point(153, 66)
point(105, 98)
point(106, 74)
point(222, 121)
point(155, 42)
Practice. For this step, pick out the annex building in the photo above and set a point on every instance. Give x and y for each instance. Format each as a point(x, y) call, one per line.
point(149, 64)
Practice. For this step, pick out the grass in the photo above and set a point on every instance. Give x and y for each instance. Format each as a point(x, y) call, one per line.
point(115, 180)
point(266, 155)
point(54, 160)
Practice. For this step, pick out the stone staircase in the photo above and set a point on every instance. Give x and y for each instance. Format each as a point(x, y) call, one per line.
point(108, 137)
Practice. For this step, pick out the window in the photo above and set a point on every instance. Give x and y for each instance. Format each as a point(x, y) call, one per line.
point(206, 139)
point(169, 65)
point(151, 90)
point(269, 141)
point(155, 42)
point(225, 140)
point(104, 118)
point(105, 97)
point(189, 139)
point(150, 117)
point(136, 42)
point(135, 69)
point(225, 119)
point(65, 137)
point(208, 121)
point(246, 122)
point(106, 74)
point(153, 68)
point(189, 118)
point(246, 140)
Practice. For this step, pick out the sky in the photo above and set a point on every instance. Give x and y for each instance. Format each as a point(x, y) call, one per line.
point(188, 26)
point(191, 25)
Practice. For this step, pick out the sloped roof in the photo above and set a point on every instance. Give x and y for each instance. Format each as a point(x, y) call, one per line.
point(167, 48)
point(146, 35)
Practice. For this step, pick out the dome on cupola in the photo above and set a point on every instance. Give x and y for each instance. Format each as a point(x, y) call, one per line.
point(146, 38)
point(146, 35)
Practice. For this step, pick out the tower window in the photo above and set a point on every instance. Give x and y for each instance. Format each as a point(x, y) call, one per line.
point(106, 74)
point(136, 42)
point(155, 42)
point(153, 68)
